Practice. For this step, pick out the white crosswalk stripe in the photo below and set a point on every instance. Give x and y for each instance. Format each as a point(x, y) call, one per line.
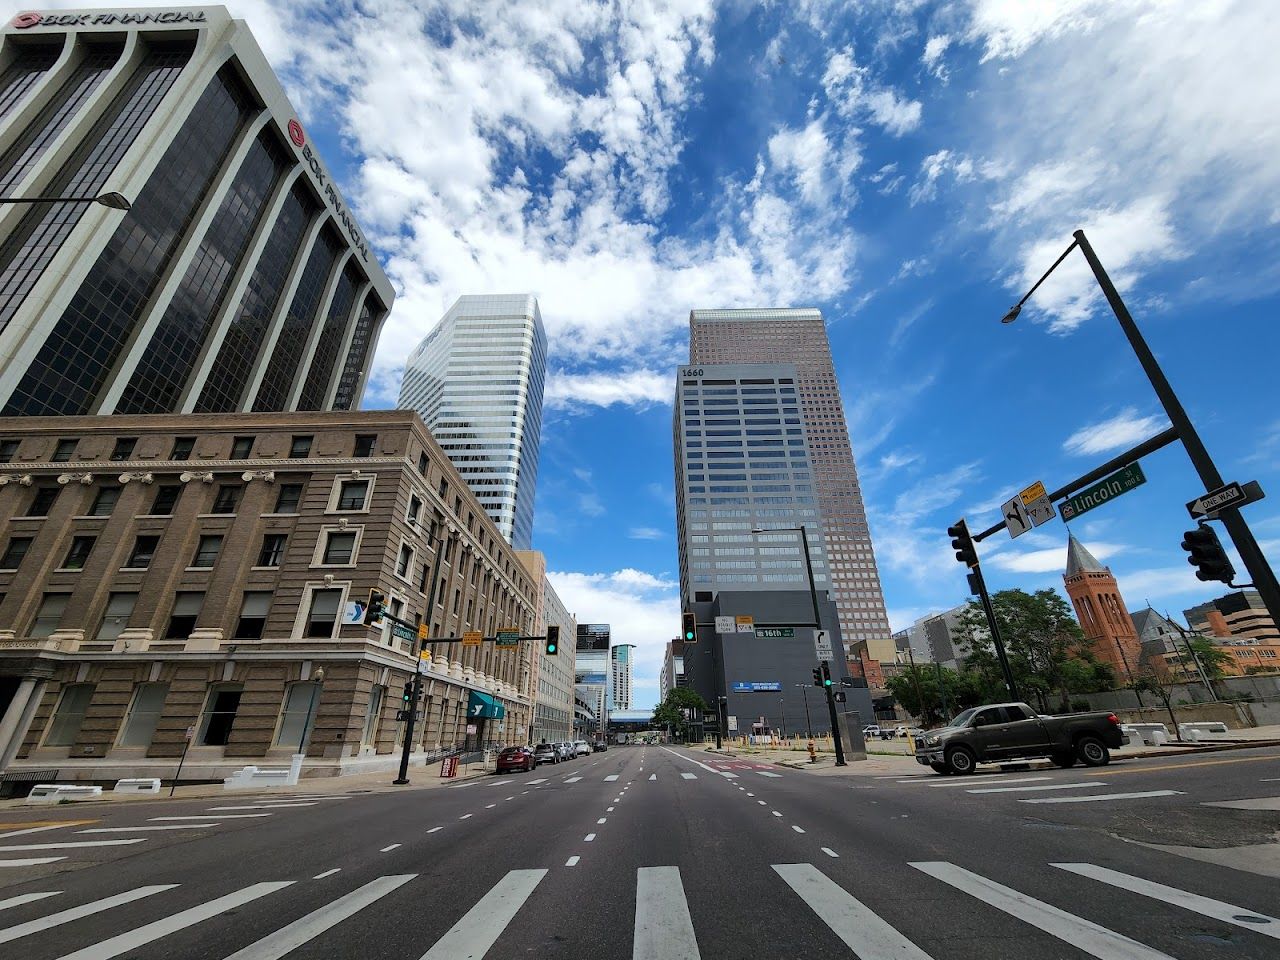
point(69, 845)
point(612, 777)
point(1083, 934)
point(27, 898)
point(479, 929)
point(1050, 786)
point(664, 929)
point(30, 861)
point(1099, 797)
point(1205, 906)
point(318, 921)
point(155, 826)
point(1003, 780)
point(75, 913)
point(766, 773)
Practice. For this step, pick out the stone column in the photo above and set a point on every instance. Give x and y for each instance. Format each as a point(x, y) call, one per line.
point(16, 719)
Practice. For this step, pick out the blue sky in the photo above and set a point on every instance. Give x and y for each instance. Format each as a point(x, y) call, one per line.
point(909, 167)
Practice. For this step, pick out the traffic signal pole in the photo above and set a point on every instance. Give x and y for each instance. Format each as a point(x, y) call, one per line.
point(967, 553)
point(831, 711)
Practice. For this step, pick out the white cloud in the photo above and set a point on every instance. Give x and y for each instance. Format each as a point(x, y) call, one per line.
point(805, 154)
point(1049, 559)
point(854, 94)
point(589, 504)
point(1166, 583)
point(641, 608)
point(646, 533)
point(639, 388)
point(1011, 27)
point(897, 115)
point(934, 48)
point(1125, 429)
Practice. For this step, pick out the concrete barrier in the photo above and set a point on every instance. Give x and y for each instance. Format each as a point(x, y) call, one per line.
point(254, 778)
point(1151, 734)
point(57, 792)
point(137, 785)
point(1206, 730)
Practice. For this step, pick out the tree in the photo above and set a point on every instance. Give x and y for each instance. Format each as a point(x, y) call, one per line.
point(1162, 686)
point(936, 702)
point(672, 711)
point(1211, 656)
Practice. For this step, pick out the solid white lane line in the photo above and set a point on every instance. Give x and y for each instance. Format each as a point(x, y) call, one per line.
point(1051, 786)
point(480, 927)
point(141, 936)
point(84, 910)
point(225, 816)
point(766, 773)
point(969, 783)
point(689, 776)
point(71, 845)
point(30, 861)
point(797, 829)
point(1093, 797)
point(1082, 934)
point(861, 930)
point(653, 776)
point(602, 820)
point(831, 853)
point(588, 838)
point(27, 898)
point(305, 929)
point(664, 929)
point(390, 848)
point(1205, 906)
point(572, 861)
point(612, 777)
point(164, 826)
point(327, 873)
point(434, 829)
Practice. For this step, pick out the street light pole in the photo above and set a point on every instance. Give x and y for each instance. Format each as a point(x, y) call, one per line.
point(113, 200)
point(1264, 578)
point(808, 724)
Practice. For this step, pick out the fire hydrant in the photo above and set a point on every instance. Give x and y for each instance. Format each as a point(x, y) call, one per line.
point(813, 754)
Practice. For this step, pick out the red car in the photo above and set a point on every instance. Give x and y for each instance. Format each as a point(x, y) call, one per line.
point(516, 758)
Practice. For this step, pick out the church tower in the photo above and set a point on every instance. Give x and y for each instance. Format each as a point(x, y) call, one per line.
point(1101, 611)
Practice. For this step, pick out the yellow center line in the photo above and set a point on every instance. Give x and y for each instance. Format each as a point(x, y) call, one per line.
point(1180, 766)
point(22, 824)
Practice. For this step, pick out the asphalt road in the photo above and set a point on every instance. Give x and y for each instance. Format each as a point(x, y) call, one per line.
point(666, 854)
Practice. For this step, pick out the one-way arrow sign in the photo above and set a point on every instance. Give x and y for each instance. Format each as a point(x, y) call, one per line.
point(1228, 495)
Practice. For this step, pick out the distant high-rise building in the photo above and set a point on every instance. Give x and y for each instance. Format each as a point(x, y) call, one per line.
point(552, 677)
point(1107, 626)
point(593, 670)
point(238, 279)
point(476, 380)
point(1239, 615)
point(621, 681)
point(672, 673)
point(799, 336)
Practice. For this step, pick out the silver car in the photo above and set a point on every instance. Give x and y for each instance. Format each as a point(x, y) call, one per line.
point(566, 750)
point(581, 748)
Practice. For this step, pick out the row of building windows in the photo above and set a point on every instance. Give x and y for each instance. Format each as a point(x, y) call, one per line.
point(300, 445)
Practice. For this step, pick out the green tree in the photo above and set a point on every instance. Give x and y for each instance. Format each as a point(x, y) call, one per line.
point(935, 702)
point(672, 711)
point(1212, 657)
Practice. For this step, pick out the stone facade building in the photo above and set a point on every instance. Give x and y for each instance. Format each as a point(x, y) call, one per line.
point(172, 577)
point(1108, 628)
point(552, 682)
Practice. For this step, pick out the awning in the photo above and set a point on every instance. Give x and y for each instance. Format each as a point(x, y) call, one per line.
point(481, 706)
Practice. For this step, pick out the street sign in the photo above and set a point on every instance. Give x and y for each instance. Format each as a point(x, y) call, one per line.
point(1229, 495)
point(840, 696)
point(822, 644)
point(733, 724)
point(509, 638)
point(775, 633)
point(422, 631)
point(726, 625)
point(1037, 503)
point(472, 638)
point(1120, 482)
point(745, 623)
point(471, 728)
point(404, 633)
point(1015, 516)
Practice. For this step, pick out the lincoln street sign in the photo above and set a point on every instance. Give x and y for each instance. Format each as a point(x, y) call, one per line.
point(1120, 482)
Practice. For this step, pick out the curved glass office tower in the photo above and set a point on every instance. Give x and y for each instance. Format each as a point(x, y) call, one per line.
point(476, 380)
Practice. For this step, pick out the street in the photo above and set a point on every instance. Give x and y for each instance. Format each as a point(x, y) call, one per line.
point(655, 852)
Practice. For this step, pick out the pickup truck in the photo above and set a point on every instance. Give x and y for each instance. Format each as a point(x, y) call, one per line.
point(998, 732)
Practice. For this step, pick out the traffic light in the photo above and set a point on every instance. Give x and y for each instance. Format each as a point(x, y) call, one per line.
point(962, 544)
point(689, 627)
point(826, 675)
point(407, 696)
point(553, 640)
point(1207, 555)
point(817, 677)
point(376, 608)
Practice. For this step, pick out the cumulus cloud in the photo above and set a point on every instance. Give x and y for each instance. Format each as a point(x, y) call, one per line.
point(1048, 559)
point(636, 388)
point(1125, 429)
point(645, 533)
point(934, 49)
point(851, 89)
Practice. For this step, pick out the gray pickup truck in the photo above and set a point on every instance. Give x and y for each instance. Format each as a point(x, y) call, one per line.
point(999, 732)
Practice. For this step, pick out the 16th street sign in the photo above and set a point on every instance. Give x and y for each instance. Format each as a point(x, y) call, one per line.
point(1105, 490)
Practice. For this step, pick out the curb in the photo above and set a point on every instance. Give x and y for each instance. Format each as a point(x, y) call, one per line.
point(1179, 751)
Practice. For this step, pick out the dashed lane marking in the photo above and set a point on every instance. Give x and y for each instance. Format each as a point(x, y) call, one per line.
point(831, 853)
point(389, 848)
point(572, 861)
point(327, 873)
point(588, 838)
point(797, 829)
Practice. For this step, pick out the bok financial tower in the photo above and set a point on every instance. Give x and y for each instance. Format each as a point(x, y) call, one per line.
point(799, 337)
point(237, 280)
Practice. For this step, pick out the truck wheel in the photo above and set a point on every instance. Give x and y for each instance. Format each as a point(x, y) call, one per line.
point(960, 760)
point(1063, 760)
point(939, 768)
point(1092, 752)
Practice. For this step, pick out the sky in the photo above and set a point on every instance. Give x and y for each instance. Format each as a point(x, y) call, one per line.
point(908, 167)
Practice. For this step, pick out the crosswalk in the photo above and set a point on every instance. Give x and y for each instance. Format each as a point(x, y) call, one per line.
point(665, 920)
point(1040, 789)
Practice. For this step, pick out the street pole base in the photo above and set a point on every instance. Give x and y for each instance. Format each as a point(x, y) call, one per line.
point(400, 781)
point(841, 763)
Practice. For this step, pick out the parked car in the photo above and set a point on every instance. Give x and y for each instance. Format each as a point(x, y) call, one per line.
point(512, 759)
point(998, 732)
point(566, 749)
point(870, 731)
point(546, 753)
point(581, 748)
point(600, 746)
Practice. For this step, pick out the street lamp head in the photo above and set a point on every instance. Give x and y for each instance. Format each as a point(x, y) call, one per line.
point(115, 201)
point(1012, 315)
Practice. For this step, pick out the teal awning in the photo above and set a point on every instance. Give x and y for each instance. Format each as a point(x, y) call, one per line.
point(481, 706)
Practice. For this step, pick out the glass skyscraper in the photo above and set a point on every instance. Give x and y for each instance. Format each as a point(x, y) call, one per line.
point(593, 670)
point(476, 380)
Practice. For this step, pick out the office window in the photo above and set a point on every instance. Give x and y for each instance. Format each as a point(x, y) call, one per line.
point(444, 489)
point(9, 450)
point(289, 497)
point(227, 499)
point(323, 614)
point(219, 714)
point(104, 502)
point(352, 494)
point(14, 552)
point(81, 547)
point(64, 451)
point(298, 714)
point(207, 552)
point(414, 511)
point(182, 447)
point(241, 447)
point(42, 502)
point(300, 447)
point(119, 610)
point(364, 444)
point(423, 462)
point(166, 498)
point(72, 706)
point(51, 609)
point(405, 563)
point(272, 552)
point(123, 449)
point(339, 548)
point(144, 714)
point(144, 548)
point(253, 614)
point(186, 610)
